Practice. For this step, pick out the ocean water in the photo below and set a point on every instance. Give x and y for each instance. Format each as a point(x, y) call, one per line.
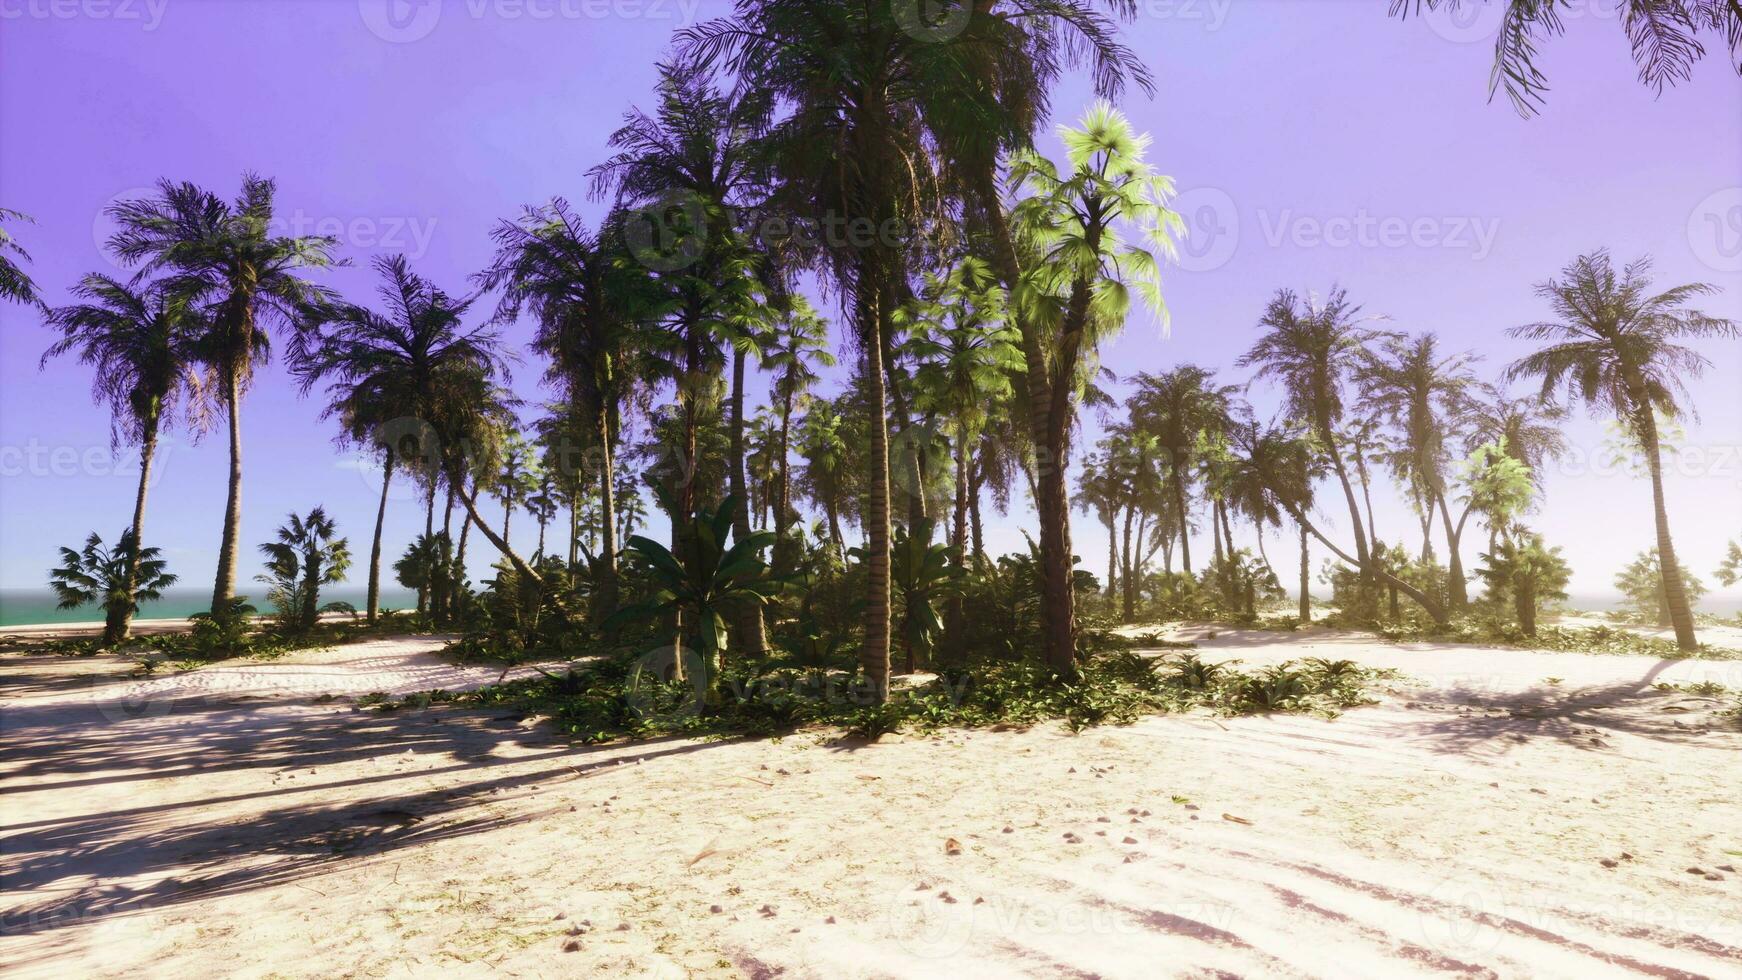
point(26, 607)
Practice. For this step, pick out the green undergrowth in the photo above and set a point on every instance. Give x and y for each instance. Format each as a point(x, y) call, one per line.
point(609, 699)
point(207, 641)
point(1559, 639)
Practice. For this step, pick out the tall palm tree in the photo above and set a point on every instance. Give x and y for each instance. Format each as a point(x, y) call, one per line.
point(688, 166)
point(1079, 292)
point(591, 302)
point(139, 339)
point(1174, 407)
point(15, 284)
point(385, 369)
point(823, 472)
point(1618, 348)
point(1312, 348)
point(1529, 428)
point(1424, 395)
point(242, 277)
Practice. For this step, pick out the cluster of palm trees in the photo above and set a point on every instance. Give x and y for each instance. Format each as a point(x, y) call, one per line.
point(976, 279)
point(1358, 397)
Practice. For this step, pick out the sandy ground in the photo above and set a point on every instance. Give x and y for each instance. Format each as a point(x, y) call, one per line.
point(247, 828)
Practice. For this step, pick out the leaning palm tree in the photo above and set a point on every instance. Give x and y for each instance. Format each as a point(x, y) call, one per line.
point(119, 578)
point(1617, 347)
point(307, 555)
point(138, 338)
point(384, 370)
point(15, 285)
point(241, 276)
point(1312, 348)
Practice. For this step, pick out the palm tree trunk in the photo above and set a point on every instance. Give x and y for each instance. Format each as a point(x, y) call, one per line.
point(1363, 560)
point(976, 530)
point(752, 631)
point(1675, 594)
point(783, 491)
point(1128, 609)
point(1111, 520)
point(1306, 602)
point(1185, 537)
point(224, 589)
point(959, 543)
point(1457, 589)
point(607, 518)
point(1216, 529)
point(1427, 602)
point(374, 600)
point(874, 653)
point(121, 621)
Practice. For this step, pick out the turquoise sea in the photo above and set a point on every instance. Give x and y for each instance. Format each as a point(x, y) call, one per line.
point(25, 607)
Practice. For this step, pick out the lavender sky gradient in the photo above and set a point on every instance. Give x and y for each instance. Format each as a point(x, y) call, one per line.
point(1275, 118)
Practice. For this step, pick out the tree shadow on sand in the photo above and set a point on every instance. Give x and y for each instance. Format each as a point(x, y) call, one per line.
point(89, 866)
point(1580, 717)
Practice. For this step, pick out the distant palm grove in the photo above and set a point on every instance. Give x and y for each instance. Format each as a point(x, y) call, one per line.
point(969, 282)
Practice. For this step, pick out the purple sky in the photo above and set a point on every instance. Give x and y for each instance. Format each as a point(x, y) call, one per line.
point(1315, 143)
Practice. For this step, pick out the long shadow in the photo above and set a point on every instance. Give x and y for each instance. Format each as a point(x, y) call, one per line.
point(165, 854)
point(1578, 717)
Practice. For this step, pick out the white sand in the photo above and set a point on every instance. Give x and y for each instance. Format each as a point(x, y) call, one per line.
point(1455, 829)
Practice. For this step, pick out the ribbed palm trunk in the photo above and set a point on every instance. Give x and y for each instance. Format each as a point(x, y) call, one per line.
point(374, 601)
point(607, 518)
point(1128, 610)
point(959, 544)
point(1675, 595)
point(119, 621)
point(753, 636)
point(874, 654)
point(1363, 559)
point(224, 589)
point(1185, 537)
point(976, 530)
point(783, 491)
point(1457, 590)
point(1306, 597)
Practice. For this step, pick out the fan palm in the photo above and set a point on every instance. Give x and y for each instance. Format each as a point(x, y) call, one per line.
point(388, 372)
point(307, 555)
point(226, 260)
point(119, 578)
point(1079, 292)
point(1618, 348)
point(15, 285)
point(139, 339)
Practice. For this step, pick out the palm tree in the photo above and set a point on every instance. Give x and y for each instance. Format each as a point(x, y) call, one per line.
point(1174, 407)
point(590, 303)
point(15, 285)
point(385, 370)
point(306, 556)
point(138, 338)
point(1311, 348)
point(823, 474)
point(1616, 348)
point(1079, 292)
point(119, 578)
point(797, 344)
point(225, 258)
point(1424, 395)
point(1529, 428)
point(515, 476)
point(1665, 36)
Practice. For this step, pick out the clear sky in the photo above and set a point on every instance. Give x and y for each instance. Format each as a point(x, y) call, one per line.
point(1316, 141)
